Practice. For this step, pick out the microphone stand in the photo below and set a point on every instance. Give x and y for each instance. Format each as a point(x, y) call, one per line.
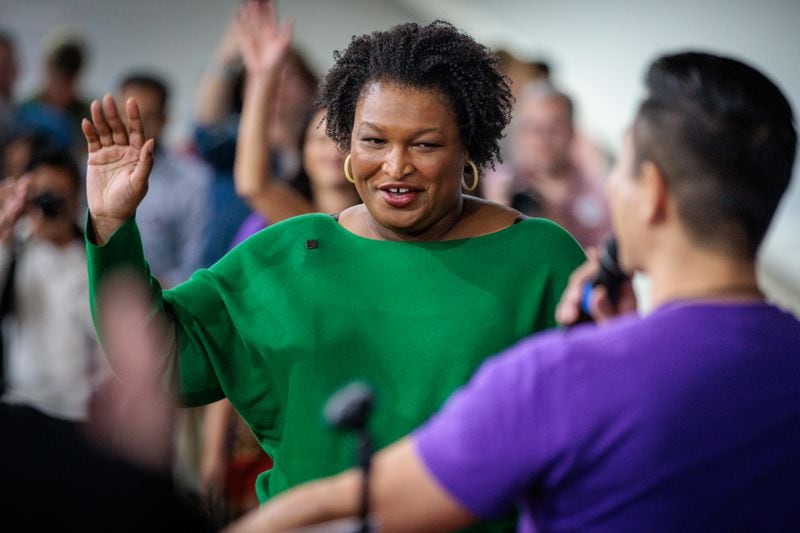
point(365, 462)
point(349, 410)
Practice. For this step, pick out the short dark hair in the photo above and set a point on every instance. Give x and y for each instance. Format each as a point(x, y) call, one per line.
point(545, 89)
point(148, 81)
point(60, 159)
point(436, 56)
point(724, 137)
point(67, 57)
point(541, 67)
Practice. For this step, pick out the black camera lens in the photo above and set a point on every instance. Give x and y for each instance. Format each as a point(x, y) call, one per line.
point(51, 205)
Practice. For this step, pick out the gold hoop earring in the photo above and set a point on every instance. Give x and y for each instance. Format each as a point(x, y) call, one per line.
point(475, 177)
point(347, 175)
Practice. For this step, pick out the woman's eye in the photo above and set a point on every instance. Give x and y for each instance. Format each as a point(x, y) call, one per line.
point(373, 140)
point(428, 146)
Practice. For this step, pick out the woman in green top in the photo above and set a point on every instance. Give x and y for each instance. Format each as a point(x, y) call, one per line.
point(410, 290)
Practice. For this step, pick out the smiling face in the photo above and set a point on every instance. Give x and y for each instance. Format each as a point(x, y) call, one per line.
point(407, 158)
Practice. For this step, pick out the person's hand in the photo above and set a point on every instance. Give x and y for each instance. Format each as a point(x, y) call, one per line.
point(132, 416)
point(263, 41)
point(13, 199)
point(118, 166)
point(601, 308)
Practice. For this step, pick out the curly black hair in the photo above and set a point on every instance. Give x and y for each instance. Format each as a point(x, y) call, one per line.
point(436, 56)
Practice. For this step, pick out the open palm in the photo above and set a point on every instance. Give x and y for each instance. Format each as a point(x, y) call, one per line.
point(118, 166)
point(263, 41)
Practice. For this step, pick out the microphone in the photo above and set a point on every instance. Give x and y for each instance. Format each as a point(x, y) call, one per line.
point(611, 276)
point(349, 410)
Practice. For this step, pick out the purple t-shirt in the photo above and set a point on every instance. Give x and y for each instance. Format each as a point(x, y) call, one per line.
point(686, 420)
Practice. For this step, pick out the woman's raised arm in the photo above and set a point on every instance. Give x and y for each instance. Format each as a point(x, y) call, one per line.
point(264, 44)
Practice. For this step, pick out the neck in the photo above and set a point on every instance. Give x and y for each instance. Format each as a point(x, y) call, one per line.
point(59, 96)
point(334, 199)
point(694, 274)
point(438, 231)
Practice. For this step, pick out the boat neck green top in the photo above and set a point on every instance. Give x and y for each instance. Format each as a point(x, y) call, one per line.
point(304, 307)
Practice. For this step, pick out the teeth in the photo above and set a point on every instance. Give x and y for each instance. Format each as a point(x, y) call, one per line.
point(399, 190)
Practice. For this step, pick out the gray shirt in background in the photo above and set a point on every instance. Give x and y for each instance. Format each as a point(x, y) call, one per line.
point(172, 216)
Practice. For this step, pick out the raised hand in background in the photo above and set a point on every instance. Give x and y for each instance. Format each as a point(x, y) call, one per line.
point(264, 44)
point(263, 41)
point(13, 200)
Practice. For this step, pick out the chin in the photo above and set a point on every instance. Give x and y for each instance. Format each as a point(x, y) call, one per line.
point(396, 219)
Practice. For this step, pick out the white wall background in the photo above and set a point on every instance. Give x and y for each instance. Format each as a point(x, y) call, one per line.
point(599, 51)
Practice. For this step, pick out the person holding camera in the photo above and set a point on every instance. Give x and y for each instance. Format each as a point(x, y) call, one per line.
point(52, 360)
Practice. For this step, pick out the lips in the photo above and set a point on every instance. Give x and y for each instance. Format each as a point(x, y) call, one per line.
point(399, 195)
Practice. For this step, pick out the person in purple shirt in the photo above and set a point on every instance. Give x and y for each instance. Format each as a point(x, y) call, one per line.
point(687, 419)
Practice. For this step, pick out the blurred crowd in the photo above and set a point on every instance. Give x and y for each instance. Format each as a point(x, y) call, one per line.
point(197, 208)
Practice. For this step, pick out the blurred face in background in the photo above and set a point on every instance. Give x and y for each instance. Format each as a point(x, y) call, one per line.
point(151, 109)
point(321, 159)
point(542, 135)
point(294, 94)
point(294, 98)
point(55, 222)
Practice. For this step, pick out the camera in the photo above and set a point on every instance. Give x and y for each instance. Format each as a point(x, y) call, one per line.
point(51, 205)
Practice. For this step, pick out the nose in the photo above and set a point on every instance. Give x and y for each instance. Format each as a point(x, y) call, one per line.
point(397, 165)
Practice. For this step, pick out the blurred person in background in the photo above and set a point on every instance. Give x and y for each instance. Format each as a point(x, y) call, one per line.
point(520, 72)
point(53, 362)
point(217, 111)
point(173, 217)
point(321, 163)
point(113, 474)
point(543, 179)
point(57, 108)
point(8, 78)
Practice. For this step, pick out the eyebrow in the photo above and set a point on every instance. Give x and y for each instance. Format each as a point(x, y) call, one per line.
point(416, 133)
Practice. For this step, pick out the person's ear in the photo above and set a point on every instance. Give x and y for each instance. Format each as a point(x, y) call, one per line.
point(654, 193)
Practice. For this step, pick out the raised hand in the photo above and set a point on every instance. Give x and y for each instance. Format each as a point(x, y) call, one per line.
point(13, 200)
point(119, 164)
point(263, 41)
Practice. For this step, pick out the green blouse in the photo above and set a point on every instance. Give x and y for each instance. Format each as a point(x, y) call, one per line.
point(303, 307)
